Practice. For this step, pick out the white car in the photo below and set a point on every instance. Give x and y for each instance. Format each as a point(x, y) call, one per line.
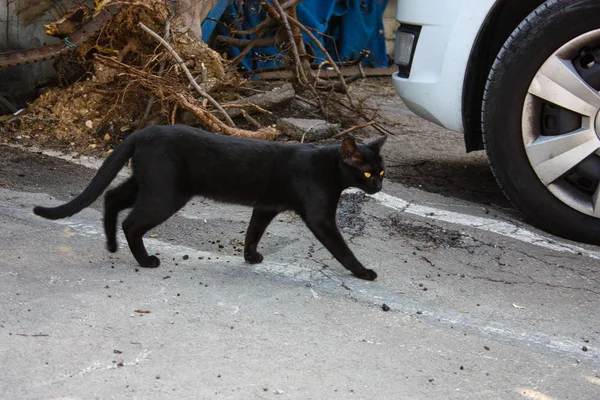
point(520, 79)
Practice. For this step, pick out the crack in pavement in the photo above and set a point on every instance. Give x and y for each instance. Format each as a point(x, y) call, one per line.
point(534, 282)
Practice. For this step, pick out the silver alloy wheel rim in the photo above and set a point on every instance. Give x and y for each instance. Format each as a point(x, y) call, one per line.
point(551, 157)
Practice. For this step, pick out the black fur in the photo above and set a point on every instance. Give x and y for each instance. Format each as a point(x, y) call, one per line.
point(171, 164)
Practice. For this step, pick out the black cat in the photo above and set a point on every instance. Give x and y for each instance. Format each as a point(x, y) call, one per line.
point(171, 164)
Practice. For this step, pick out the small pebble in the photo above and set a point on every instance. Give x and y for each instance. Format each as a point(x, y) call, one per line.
point(584, 348)
point(385, 307)
point(185, 257)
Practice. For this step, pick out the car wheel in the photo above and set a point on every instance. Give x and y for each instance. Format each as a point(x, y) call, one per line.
point(540, 118)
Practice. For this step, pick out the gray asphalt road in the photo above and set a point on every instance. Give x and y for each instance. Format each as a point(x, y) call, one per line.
point(473, 313)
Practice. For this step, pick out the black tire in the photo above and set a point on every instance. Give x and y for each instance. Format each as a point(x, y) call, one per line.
point(542, 33)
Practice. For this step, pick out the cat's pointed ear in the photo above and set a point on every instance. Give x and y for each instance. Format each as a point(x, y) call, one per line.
point(376, 144)
point(350, 153)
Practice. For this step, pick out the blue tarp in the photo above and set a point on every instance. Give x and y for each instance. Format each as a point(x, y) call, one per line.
point(346, 28)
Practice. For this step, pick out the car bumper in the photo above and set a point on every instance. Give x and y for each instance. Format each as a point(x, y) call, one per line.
point(448, 29)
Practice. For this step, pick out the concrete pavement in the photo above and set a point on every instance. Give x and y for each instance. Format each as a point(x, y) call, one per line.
point(473, 314)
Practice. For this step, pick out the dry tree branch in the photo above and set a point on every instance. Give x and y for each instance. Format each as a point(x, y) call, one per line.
point(161, 71)
point(255, 42)
point(344, 87)
point(300, 41)
point(324, 63)
point(255, 30)
point(267, 133)
point(235, 61)
point(170, 90)
point(300, 75)
point(363, 54)
point(266, 22)
point(188, 74)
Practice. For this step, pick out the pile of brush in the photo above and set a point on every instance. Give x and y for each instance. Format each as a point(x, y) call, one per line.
point(141, 64)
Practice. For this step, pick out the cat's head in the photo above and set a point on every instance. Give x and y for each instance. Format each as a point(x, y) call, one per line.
point(363, 165)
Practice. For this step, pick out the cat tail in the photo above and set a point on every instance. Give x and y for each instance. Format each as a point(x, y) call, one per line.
point(105, 175)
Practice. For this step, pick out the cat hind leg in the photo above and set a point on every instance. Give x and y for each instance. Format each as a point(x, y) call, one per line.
point(145, 216)
point(258, 224)
point(115, 201)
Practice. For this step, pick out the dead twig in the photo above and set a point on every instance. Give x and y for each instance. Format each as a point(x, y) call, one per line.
point(187, 72)
point(249, 118)
point(256, 107)
point(173, 114)
point(383, 130)
point(353, 128)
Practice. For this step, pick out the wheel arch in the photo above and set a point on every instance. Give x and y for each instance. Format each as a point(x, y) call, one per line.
point(503, 18)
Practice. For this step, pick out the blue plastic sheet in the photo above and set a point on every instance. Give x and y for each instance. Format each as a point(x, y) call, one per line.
point(344, 27)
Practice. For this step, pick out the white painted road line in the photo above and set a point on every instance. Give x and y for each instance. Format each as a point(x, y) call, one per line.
point(487, 224)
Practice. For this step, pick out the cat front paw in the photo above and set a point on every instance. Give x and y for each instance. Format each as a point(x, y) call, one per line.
point(253, 258)
point(112, 246)
point(366, 274)
point(150, 262)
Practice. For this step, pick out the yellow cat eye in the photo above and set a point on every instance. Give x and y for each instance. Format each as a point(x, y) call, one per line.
point(381, 173)
point(368, 174)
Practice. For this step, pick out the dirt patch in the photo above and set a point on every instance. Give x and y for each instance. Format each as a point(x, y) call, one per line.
point(349, 213)
point(428, 235)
